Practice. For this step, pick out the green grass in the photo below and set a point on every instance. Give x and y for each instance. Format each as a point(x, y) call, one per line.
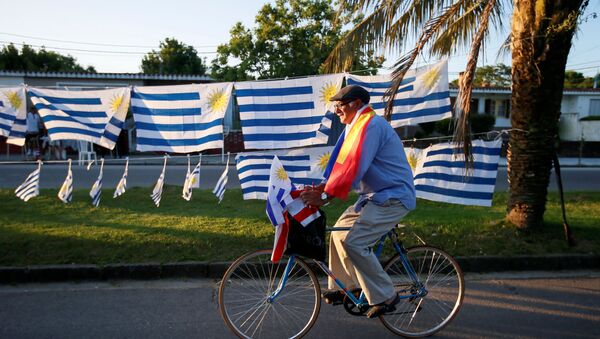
point(131, 229)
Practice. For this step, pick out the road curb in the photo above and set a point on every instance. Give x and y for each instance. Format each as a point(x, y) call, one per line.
point(215, 270)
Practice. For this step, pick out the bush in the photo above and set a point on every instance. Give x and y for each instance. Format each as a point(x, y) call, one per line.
point(481, 123)
point(590, 118)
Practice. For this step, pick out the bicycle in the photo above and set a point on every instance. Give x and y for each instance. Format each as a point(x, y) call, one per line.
point(258, 297)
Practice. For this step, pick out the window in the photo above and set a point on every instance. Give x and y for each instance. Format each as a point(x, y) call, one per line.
point(595, 107)
point(500, 108)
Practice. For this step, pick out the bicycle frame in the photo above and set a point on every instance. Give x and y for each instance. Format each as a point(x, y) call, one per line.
point(361, 300)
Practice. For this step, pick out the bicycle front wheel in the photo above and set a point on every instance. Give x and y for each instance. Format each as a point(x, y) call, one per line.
point(251, 309)
point(444, 282)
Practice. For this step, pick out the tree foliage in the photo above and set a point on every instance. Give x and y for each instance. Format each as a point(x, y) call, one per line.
point(30, 60)
point(291, 38)
point(578, 80)
point(173, 57)
point(492, 76)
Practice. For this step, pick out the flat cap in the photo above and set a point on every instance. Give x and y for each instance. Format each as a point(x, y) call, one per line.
point(352, 92)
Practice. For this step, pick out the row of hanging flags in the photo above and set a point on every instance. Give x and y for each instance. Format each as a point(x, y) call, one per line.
point(439, 175)
point(189, 118)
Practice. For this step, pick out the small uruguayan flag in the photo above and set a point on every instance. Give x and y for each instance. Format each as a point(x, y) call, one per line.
point(96, 191)
point(304, 166)
point(65, 194)
point(13, 114)
point(441, 176)
point(192, 180)
point(31, 186)
point(219, 190)
point(287, 113)
point(158, 187)
point(180, 118)
point(96, 116)
point(423, 95)
point(122, 185)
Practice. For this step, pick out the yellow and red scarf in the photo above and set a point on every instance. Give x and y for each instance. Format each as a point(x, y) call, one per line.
point(345, 158)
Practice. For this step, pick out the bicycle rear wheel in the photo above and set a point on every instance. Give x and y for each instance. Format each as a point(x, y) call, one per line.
point(246, 288)
point(444, 281)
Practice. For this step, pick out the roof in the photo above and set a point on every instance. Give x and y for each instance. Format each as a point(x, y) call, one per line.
point(120, 76)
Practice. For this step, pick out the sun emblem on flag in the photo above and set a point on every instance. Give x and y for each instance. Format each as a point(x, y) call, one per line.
point(14, 99)
point(327, 91)
point(281, 174)
point(217, 101)
point(323, 160)
point(431, 77)
point(118, 104)
point(413, 160)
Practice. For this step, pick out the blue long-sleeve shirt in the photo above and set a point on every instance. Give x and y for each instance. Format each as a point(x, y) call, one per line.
point(384, 172)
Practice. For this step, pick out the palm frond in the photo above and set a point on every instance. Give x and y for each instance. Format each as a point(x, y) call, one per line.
point(405, 62)
point(462, 132)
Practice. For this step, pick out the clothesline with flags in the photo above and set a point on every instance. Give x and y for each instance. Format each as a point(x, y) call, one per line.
point(274, 114)
point(439, 173)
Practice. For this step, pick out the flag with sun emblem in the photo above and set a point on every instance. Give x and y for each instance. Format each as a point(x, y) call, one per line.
point(423, 95)
point(65, 194)
point(180, 118)
point(13, 114)
point(440, 176)
point(287, 113)
point(413, 155)
point(96, 116)
point(304, 167)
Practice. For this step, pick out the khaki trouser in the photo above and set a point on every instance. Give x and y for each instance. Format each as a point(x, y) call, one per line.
point(351, 258)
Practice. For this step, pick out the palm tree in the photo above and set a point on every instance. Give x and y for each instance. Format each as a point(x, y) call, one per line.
point(540, 39)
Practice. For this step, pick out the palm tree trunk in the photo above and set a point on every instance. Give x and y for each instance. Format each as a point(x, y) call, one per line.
point(542, 31)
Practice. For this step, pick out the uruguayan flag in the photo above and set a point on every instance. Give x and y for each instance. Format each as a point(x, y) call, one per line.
point(192, 179)
point(65, 194)
point(158, 187)
point(220, 187)
point(122, 185)
point(181, 118)
point(441, 174)
point(304, 166)
point(423, 95)
point(13, 114)
point(96, 191)
point(287, 113)
point(95, 116)
point(31, 186)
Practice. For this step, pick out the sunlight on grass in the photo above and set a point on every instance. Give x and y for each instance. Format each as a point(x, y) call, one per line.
point(131, 229)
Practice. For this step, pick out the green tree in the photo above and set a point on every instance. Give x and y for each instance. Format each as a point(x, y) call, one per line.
point(30, 60)
point(578, 80)
point(540, 40)
point(492, 76)
point(291, 38)
point(173, 57)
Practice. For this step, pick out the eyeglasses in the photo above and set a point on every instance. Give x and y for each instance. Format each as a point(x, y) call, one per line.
point(340, 105)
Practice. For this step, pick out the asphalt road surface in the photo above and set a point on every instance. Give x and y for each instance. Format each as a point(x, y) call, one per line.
point(524, 305)
point(52, 176)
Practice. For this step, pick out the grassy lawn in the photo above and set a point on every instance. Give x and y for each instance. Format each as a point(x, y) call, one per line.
point(131, 229)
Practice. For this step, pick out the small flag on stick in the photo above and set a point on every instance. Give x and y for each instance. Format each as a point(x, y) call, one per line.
point(65, 194)
point(157, 191)
point(31, 186)
point(219, 190)
point(96, 191)
point(122, 185)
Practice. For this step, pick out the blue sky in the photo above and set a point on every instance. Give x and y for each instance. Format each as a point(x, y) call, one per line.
point(98, 26)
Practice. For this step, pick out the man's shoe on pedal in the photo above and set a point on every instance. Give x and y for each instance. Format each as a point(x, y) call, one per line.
point(383, 308)
point(333, 297)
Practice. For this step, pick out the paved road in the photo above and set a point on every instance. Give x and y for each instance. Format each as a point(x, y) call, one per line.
point(11, 176)
point(524, 305)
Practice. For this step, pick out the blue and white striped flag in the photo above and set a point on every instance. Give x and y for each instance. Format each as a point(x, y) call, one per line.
point(287, 113)
point(422, 97)
point(122, 185)
point(13, 123)
point(181, 118)
point(441, 174)
point(158, 187)
point(96, 191)
point(221, 185)
point(304, 166)
point(192, 180)
point(31, 186)
point(95, 116)
point(65, 194)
